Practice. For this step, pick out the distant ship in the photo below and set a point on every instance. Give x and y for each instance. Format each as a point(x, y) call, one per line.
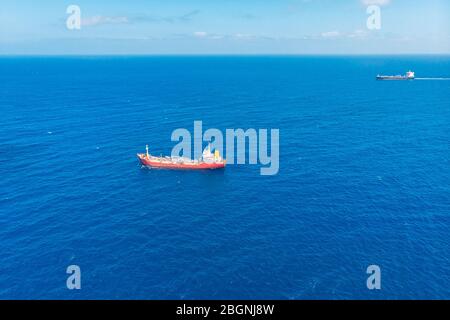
point(408, 76)
point(208, 160)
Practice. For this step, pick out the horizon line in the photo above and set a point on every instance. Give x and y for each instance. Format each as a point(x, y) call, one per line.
point(213, 54)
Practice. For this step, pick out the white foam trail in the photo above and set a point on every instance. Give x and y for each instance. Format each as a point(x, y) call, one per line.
point(431, 78)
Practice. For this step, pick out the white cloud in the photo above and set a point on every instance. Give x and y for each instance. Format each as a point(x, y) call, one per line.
point(99, 20)
point(216, 36)
point(330, 34)
point(375, 2)
point(187, 17)
point(243, 36)
point(359, 34)
point(235, 36)
point(200, 34)
point(206, 35)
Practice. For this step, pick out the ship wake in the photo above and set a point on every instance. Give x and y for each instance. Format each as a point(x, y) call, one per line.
point(432, 78)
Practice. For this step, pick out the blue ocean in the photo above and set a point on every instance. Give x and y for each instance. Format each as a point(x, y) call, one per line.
point(364, 178)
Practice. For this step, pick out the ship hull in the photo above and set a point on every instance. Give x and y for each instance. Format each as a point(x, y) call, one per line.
point(389, 78)
point(180, 166)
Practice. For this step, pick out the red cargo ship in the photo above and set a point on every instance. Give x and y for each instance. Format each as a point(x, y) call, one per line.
point(207, 161)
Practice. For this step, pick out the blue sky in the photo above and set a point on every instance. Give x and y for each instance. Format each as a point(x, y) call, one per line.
point(224, 27)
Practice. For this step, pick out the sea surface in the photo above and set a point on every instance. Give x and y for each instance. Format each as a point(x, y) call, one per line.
point(364, 178)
